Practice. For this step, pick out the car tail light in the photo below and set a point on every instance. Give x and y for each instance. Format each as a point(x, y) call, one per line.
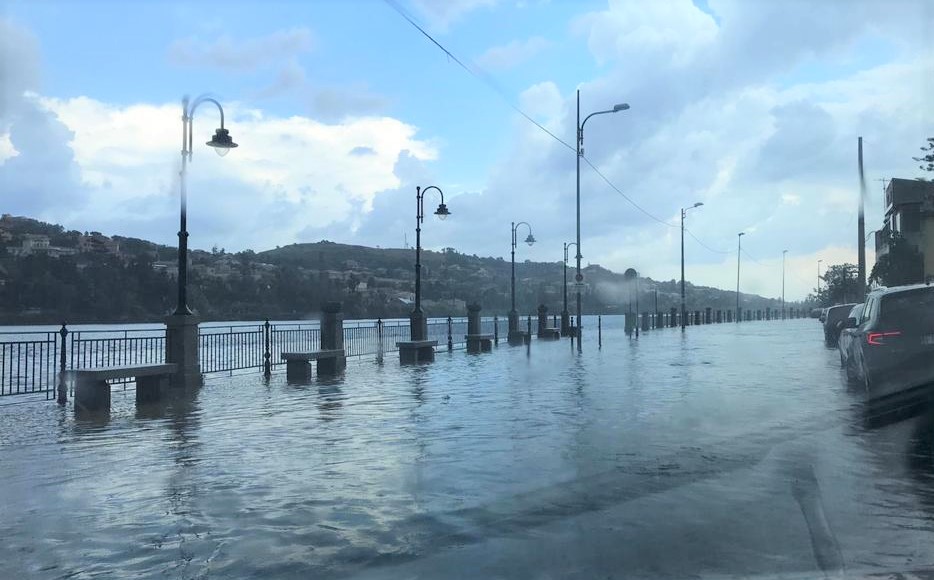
point(879, 338)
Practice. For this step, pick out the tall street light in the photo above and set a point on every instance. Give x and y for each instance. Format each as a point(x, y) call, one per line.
point(783, 283)
point(222, 143)
point(182, 325)
point(579, 277)
point(818, 278)
point(739, 249)
point(684, 212)
point(565, 315)
point(513, 314)
point(418, 324)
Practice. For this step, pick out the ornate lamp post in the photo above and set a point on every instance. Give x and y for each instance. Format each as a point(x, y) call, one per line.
point(565, 315)
point(683, 213)
point(579, 277)
point(182, 325)
point(513, 314)
point(739, 248)
point(418, 323)
point(783, 283)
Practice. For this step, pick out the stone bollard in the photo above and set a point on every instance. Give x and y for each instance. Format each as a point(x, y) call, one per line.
point(542, 319)
point(729, 316)
point(476, 340)
point(768, 314)
point(697, 317)
point(645, 321)
point(748, 314)
point(332, 338)
point(758, 315)
point(707, 318)
point(673, 317)
point(496, 330)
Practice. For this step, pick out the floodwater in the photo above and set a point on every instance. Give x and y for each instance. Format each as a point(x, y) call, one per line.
point(730, 450)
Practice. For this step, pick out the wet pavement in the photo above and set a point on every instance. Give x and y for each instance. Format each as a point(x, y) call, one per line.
point(730, 450)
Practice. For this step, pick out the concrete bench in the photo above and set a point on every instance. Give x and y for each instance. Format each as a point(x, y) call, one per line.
point(92, 391)
point(549, 334)
point(415, 351)
point(298, 364)
point(519, 337)
point(479, 342)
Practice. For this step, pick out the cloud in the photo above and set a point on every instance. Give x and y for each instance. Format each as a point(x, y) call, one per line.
point(499, 58)
point(247, 54)
point(298, 173)
point(335, 103)
point(442, 14)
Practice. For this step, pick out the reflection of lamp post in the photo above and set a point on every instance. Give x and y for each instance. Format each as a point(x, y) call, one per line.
point(418, 324)
point(783, 283)
point(513, 315)
point(182, 326)
point(565, 315)
point(684, 211)
point(579, 278)
point(739, 248)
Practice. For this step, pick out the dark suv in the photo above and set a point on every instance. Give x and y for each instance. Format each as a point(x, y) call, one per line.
point(833, 322)
point(891, 347)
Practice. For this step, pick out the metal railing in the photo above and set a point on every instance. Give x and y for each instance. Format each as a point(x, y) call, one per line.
point(30, 362)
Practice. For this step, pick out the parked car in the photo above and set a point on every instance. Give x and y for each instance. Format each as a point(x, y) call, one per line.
point(833, 322)
point(847, 333)
point(891, 347)
point(823, 315)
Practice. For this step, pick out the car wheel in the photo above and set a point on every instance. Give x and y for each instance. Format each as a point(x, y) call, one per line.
point(867, 382)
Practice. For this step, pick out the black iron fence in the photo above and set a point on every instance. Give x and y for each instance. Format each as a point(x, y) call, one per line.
point(30, 362)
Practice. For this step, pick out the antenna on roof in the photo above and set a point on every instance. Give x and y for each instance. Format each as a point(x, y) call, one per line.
point(405, 240)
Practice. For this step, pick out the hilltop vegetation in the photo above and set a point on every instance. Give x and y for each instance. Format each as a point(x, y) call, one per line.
point(49, 275)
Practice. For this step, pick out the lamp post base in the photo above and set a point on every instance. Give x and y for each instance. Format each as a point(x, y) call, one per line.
point(418, 325)
point(181, 348)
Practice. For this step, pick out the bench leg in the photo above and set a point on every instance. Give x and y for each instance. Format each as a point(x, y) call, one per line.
point(297, 371)
point(425, 354)
point(331, 366)
point(486, 345)
point(91, 395)
point(151, 389)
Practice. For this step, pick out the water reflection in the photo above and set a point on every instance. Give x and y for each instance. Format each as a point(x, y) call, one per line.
point(330, 398)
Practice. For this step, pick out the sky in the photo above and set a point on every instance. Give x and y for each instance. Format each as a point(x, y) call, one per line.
point(342, 108)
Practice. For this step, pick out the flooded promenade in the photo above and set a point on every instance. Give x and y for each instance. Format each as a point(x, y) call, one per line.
point(726, 450)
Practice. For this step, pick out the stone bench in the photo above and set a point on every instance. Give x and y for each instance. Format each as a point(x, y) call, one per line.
point(519, 337)
point(549, 334)
point(298, 364)
point(479, 342)
point(415, 351)
point(92, 391)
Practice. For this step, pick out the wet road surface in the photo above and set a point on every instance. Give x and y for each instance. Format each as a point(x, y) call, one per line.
point(731, 450)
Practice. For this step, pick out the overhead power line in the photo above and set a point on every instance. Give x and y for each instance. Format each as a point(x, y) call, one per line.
point(475, 72)
point(485, 78)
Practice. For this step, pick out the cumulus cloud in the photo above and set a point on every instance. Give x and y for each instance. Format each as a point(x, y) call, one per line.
point(499, 58)
point(242, 54)
point(442, 14)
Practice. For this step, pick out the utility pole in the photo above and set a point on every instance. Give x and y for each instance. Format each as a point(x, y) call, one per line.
point(861, 227)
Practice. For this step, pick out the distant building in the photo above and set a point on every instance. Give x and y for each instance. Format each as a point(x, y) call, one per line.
point(169, 267)
point(34, 244)
point(909, 211)
point(98, 243)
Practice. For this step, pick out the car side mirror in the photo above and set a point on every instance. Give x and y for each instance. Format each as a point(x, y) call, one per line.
point(850, 323)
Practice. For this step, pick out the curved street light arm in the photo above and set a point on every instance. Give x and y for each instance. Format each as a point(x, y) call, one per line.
point(580, 134)
point(420, 194)
point(566, 246)
point(189, 116)
point(515, 228)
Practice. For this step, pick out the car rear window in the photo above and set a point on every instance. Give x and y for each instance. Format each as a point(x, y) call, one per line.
point(912, 309)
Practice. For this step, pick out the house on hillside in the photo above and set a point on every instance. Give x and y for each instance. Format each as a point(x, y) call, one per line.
point(38, 244)
point(98, 243)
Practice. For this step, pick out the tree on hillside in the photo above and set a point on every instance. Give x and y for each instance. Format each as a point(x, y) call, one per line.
point(927, 160)
point(902, 264)
point(840, 285)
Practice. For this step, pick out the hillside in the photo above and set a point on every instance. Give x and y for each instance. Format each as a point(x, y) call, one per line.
point(49, 274)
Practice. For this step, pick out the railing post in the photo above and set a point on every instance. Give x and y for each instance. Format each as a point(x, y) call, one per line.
point(267, 363)
point(450, 339)
point(496, 330)
point(599, 332)
point(379, 339)
point(62, 394)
